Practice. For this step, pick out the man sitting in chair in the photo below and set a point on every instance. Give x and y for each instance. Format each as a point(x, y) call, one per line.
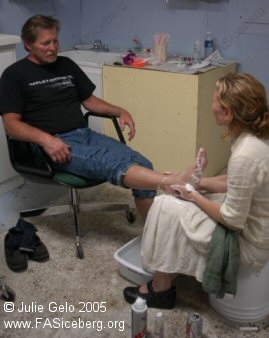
point(40, 102)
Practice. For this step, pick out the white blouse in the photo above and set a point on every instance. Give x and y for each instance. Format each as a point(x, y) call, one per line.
point(246, 205)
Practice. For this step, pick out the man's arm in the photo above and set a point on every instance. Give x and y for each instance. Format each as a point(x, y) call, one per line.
point(53, 146)
point(97, 105)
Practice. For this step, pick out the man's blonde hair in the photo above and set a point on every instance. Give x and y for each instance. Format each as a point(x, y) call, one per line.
point(34, 24)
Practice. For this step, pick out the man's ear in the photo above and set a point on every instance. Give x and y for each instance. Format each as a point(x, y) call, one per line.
point(27, 45)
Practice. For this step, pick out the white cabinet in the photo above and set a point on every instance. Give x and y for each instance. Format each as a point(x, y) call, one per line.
point(95, 75)
point(9, 179)
point(91, 63)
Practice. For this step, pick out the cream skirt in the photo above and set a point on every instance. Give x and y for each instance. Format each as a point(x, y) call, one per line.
point(176, 236)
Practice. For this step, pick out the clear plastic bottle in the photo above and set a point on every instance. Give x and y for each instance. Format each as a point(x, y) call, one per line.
point(139, 318)
point(136, 44)
point(209, 44)
point(159, 326)
point(197, 52)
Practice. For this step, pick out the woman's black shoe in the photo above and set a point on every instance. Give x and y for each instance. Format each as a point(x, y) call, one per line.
point(160, 300)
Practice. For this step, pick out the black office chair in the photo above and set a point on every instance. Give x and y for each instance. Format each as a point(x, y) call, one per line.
point(23, 162)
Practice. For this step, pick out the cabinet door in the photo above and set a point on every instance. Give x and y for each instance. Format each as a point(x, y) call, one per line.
point(95, 75)
point(172, 112)
point(7, 57)
point(164, 107)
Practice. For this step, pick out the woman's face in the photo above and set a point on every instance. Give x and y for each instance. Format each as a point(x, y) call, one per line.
point(222, 115)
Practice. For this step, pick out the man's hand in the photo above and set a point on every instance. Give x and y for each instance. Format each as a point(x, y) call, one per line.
point(125, 118)
point(58, 151)
point(98, 105)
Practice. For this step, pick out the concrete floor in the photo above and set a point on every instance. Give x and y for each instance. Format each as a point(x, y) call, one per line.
point(66, 290)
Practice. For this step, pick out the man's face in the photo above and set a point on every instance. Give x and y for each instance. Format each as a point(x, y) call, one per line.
point(45, 49)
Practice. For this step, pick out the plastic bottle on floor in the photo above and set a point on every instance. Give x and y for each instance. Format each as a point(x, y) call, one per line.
point(159, 326)
point(139, 318)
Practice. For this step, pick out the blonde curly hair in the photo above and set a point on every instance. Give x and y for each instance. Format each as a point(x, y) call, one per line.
point(246, 98)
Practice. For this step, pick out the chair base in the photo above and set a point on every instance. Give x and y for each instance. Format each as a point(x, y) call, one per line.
point(7, 293)
point(74, 208)
point(67, 209)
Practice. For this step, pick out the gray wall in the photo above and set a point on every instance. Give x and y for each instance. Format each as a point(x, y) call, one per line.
point(13, 14)
point(240, 27)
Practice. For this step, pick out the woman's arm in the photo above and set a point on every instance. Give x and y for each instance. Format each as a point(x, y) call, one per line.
point(210, 207)
point(214, 184)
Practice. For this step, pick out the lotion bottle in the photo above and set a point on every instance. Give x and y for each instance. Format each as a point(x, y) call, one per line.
point(139, 318)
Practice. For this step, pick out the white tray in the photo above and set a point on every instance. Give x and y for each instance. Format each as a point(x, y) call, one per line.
point(129, 259)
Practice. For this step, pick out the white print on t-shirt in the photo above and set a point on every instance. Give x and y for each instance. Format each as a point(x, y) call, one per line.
point(59, 81)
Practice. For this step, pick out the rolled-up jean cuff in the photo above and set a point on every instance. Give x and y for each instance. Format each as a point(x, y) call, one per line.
point(141, 194)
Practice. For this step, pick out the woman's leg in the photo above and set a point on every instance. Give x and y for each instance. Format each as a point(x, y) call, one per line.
point(143, 205)
point(161, 282)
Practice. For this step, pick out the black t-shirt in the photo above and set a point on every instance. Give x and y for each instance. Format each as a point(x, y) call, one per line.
point(48, 96)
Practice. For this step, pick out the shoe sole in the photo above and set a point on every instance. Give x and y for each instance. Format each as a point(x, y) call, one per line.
point(16, 268)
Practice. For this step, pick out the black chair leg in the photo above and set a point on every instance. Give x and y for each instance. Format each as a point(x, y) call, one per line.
point(75, 207)
point(74, 202)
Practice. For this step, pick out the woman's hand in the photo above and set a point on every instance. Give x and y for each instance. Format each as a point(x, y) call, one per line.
point(183, 191)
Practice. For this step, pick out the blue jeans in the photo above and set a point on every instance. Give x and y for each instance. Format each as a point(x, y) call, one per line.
point(101, 157)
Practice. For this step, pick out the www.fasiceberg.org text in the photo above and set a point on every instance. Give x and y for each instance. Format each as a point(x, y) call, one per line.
point(61, 323)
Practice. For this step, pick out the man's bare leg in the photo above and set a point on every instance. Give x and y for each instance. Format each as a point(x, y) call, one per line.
point(138, 177)
point(143, 205)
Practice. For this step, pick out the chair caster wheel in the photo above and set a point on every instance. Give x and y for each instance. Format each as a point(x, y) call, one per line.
point(8, 294)
point(130, 216)
point(80, 253)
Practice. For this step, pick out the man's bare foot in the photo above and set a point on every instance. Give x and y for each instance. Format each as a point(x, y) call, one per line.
point(200, 165)
point(201, 158)
point(191, 176)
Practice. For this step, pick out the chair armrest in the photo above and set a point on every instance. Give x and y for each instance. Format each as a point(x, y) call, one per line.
point(113, 119)
point(23, 161)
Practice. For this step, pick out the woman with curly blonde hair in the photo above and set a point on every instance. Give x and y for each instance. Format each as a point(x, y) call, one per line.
point(179, 229)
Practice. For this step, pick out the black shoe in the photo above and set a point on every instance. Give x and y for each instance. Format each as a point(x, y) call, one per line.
point(16, 260)
point(160, 300)
point(40, 253)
